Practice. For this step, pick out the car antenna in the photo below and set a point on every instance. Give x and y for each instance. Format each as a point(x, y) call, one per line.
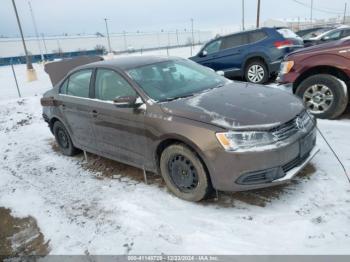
point(331, 148)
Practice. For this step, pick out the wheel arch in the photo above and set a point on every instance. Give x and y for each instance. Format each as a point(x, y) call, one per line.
point(330, 70)
point(258, 57)
point(176, 139)
point(52, 121)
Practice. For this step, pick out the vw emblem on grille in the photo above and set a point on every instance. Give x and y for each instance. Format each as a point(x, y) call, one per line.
point(300, 124)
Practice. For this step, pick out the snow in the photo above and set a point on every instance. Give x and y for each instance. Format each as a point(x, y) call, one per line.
point(80, 210)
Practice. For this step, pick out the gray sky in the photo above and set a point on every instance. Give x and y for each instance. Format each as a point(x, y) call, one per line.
point(86, 16)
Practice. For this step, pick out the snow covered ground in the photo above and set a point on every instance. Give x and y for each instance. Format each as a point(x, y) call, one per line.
point(104, 207)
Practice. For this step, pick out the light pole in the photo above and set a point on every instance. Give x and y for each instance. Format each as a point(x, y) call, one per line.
point(311, 10)
point(108, 39)
point(258, 15)
point(345, 13)
point(36, 31)
point(192, 32)
point(243, 27)
point(31, 74)
point(177, 37)
point(43, 38)
point(125, 43)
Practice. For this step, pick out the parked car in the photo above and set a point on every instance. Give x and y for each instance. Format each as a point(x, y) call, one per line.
point(306, 34)
point(328, 36)
point(320, 75)
point(172, 116)
point(255, 55)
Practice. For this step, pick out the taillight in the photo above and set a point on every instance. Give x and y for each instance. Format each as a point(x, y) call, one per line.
point(283, 44)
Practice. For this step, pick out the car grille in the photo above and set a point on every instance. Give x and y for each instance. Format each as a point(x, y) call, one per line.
point(294, 163)
point(302, 121)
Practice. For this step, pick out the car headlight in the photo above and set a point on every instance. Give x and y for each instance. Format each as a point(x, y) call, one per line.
point(233, 140)
point(286, 66)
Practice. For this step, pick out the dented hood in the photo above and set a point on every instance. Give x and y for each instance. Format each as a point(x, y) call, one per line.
point(238, 106)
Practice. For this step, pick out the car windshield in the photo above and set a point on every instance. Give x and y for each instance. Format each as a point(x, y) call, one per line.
point(175, 79)
point(315, 33)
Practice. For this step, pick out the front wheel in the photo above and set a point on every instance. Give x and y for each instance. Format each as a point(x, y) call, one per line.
point(323, 95)
point(184, 173)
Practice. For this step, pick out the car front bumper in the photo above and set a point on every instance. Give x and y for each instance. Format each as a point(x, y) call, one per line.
point(296, 170)
point(227, 168)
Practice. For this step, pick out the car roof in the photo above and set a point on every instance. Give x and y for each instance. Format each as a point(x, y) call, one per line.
point(129, 62)
point(246, 32)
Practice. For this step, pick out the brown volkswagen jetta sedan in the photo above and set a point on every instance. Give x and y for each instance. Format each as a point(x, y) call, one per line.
point(172, 116)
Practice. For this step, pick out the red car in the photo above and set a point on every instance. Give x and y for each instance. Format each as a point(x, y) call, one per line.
point(320, 75)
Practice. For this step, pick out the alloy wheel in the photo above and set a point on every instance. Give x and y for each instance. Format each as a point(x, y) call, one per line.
point(318, 98)
point(256, 73)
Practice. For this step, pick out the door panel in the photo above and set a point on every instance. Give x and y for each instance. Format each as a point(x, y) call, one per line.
point(74, 105)
point(77, 115)
point(120, 131)
point(233, 49)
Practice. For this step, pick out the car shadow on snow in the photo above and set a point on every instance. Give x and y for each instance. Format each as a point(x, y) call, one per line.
point(104, 168)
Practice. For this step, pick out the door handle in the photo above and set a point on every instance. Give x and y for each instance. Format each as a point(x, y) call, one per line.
point(94, 113)
point(63, 106)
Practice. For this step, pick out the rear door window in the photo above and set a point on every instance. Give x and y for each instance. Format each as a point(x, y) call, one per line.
point(235, 41)
point(110, 85)
point(78, 84)
point(256, 36)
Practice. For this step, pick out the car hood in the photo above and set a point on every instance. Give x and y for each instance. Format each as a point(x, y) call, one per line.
point(238, 106)
point(322, 47)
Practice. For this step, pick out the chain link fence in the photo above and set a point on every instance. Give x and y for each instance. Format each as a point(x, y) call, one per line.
point(120, 42)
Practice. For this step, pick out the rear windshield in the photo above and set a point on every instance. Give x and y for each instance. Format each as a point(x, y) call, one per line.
point(287, 33)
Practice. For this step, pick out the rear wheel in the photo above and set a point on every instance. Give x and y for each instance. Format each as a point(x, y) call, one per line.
point(256, 72)
point(63, 139)
point(323, 95)
point(184, 173)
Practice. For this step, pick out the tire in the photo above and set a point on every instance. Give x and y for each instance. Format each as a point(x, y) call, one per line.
point(180, 165)
point(323, 95)
point(63, 139)
point(252, 75)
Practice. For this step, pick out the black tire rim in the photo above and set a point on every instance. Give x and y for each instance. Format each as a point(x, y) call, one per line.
point(62, 138)
point(183, 173)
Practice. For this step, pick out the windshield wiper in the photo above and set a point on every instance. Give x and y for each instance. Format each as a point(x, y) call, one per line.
point(177, 97)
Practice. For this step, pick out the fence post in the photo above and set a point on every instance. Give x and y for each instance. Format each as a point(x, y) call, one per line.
point(14, 75)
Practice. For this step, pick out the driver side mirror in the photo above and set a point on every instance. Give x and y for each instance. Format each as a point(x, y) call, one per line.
point(128, 101)
point(204, 53)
